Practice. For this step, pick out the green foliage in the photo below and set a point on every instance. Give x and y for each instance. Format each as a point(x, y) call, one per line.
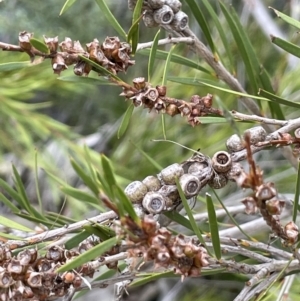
point(36, 108)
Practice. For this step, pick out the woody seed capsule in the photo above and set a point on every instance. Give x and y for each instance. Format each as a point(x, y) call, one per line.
point(257, 134)
point(234, 144)
point(154, 202)
point(221, 161)
point(180, 21)
point(190, 185)
point(136, 191)
point(163, 15)
point(170, 173)
point(152, 183)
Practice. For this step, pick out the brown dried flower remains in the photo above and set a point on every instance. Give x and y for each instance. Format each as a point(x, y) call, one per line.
point(153, 243)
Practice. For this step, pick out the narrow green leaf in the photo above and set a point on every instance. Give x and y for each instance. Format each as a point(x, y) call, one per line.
point(178, 218)
point(36, 179)
point(196, 82)
point(80, 195)
point(163, 125)
point(126, 203)
point(133, 33)
point(287, 46)
point(99, 68)
point(8, 203)
point(91, 254)
point(125, 121)
point(66, 6)
point(189, 213)
point(105, 11)
point(278, 99)
point(103, 232)
point(153, 277)
point(61, 218)
point(202, 22)
point(10, 236)
point(14, 66)
point(76, 239)
point(13, 225)
point(167, 65)
point(149, 158)
point(39, 45)
point(23, 197)
point(209, 120)
point(220, 28)
point(152, 55)
point(243, 44)
point(213, 226)
point(275, 108)
point(286, 18)
point(37, 220)
point(55, 178)
point(262, 77)
point(178, 59)
point(108, 171)
point(87, 180)
point(296, 205)
point(86, 80)
point(230, 216)
point(13, 193)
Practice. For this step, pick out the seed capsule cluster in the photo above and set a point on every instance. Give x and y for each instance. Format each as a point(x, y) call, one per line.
point(235, 143)
point(112, 54)
point(156, 244)
point(159, 193)
point(31, 276)
point(142, 93)
point(163, 12)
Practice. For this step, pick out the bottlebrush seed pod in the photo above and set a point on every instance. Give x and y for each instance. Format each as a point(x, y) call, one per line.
point(174, 4)
point(172, 110)
point(274, 206)
point(154, 202)
point(162, 90)
point(15, 267)
point(219, 181)
point(180, 21)
point(136, 191)
point(163, 15)
point(291, 230)
point(5, 279)
point(266, 192)
point(148, 19)
point(34, 279)
point(257, 134)
point(297, 133)
point(139, 83)
point(234, 144)
point(170, 173)
point(155, 4)
point(221, 161)
point(151, 94)
point(190, 185)
point(152, 183)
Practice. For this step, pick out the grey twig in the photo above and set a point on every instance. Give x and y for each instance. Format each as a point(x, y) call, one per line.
point(52, 234)
point(245, 117)
point(169, 40)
